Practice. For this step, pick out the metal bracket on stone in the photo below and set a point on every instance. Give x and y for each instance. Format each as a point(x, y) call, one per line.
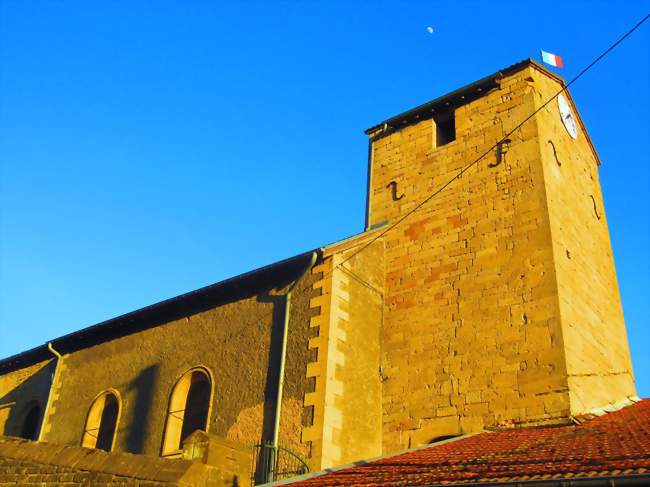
point(554, 152)
point(502, 149)
point(593, 200)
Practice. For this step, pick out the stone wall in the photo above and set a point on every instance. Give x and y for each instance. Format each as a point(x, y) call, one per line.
point(494, 304)
point(238, 342)
point(346, 396)
point(21, 389)
point(481, 327)
point(28, 463)
point(597, 353)
point(472, 333)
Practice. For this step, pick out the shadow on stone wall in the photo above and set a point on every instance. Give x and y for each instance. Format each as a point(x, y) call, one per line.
point(34, 390)
point(273, 374)
point(143, 387)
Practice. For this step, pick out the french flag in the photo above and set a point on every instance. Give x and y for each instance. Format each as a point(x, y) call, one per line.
point(552, 59)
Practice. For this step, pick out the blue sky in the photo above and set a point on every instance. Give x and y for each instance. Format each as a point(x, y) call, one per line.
point(148, 149)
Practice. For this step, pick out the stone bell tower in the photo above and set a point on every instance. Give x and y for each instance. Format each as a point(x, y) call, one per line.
point(501, 303)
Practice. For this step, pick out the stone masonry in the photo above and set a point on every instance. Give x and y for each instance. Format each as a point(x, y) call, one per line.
point(36, 464)
point(494, 304)
point(502, 306)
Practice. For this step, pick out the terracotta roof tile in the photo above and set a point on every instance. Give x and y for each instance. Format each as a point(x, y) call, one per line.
point(614, 444)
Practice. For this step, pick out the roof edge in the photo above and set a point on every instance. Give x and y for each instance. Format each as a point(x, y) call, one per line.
point(599, 481)
point(150, 315)
point(326, 471)
point(471, 91)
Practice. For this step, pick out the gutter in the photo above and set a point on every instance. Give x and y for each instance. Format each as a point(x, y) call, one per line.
point(368, 186)
point(629, 480)
point(604, 481)
point(55, 379)
point(283, 357)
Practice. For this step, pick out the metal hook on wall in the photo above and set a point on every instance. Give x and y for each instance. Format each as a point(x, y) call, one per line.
point(554, 152)
point(393, 186)
point(502, 149)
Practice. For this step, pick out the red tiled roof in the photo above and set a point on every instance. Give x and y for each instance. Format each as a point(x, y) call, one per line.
point(615, 444)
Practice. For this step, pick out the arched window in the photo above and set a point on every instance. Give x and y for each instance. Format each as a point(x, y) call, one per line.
point(101, 423)
point(189, 407)
point(31, 422)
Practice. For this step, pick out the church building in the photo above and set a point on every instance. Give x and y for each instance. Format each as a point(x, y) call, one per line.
point(482, 295)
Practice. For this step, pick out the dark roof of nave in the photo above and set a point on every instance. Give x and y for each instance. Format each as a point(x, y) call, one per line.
point(276, 275)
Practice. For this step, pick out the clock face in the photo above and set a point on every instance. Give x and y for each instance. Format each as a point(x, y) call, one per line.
point(568, 119)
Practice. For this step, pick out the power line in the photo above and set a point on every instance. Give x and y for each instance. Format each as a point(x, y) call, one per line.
point(476, 161)
point(468, 166)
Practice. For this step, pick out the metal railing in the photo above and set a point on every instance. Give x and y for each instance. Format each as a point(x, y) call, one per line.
point(275, 463)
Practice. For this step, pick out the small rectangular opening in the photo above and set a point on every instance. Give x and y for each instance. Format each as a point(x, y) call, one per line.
point(445, 127)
